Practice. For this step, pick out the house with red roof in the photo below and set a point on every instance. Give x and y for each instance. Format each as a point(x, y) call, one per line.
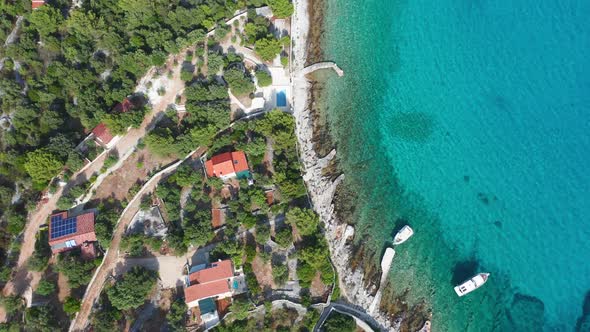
point(205, 282)
point(217, 218)
point(209, 289)
point(228, 165)
point(37, 3)
point(102, 135)
point(71, 232)
point(123, 106)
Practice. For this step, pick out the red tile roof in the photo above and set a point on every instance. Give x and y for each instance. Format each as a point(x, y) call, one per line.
point(270, 197)
point(209, 282)
point(218, 270)
point(84, 231)
point(223, 306)
point(217, 217)
point(203, 291)
point(37, 3)
point(226, 163)
point(63, 214)
point(103, 133)
point(123, 106)
point(240, 163)
point(88, 251)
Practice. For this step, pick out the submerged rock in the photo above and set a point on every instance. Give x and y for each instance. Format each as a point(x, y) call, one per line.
point(525, 306)
point(583, 323)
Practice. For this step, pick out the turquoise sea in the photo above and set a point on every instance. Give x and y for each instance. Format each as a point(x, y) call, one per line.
point(470, 121)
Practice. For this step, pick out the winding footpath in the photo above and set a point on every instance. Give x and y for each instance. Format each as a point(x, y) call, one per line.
point(110, 259)
point(360, 316)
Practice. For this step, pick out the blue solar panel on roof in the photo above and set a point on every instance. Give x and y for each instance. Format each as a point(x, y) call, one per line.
point(61, 227)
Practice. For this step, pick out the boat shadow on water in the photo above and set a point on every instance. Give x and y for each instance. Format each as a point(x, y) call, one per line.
point(399, 224)
point(463, 270)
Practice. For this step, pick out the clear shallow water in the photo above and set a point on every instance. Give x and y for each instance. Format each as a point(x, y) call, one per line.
point(469, 120)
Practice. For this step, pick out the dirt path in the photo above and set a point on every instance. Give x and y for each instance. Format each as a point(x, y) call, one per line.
point(111, 258)
point(119, 182)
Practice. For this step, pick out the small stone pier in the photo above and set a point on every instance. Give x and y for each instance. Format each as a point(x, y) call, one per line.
point(323, 65)
point(385, 266)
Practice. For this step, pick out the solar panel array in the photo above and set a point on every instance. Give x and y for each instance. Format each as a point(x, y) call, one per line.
point(61, 227)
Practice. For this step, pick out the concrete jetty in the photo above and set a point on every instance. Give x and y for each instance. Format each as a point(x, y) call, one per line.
point(385, 266)
point(323, 65)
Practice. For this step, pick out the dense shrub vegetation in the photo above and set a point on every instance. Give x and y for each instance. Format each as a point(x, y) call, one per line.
point(131, 291)
point(74, 67)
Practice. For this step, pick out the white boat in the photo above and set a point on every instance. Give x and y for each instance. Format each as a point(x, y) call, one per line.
point(403, 235)
point(472, 284)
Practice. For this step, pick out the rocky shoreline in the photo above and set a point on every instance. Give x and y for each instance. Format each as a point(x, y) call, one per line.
point(322, 187)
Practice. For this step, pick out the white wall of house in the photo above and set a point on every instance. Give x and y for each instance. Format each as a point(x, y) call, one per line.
point(195, 303)
point(226, 177)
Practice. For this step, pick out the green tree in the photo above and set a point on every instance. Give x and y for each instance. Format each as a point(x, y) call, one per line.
point(256, 29)
point(280, 273)
point(45, 20)
point(119, 122)
point(5, 195)
point(338, 322)
point(5, 273)
point(306, 220)
point(221, 30)
point(268, 48)
point(16, 222)
point(264, 78)
point(275, 120)
point(284, 237)
point(45, 287)
point(132, 290)
point(202, 136)
point(238, 83)
point(74, 162)
point(214, 63)
point(110, 160)
point(103, 226)
point(71, 305)
point(254, 149)
point(105, 320)
point(161, 142)
point(42, 166)
point(281, 8)
point(251, 281)
point(186, 176)
point(240, 309)
point(311, 318)
point(78, 272)
point(176, 317)
point(133, 245)
point(38, 261)
point(262, 233)
point(65, 202)
point(257, 198)
point(11, 303)
point(60, 146)
point(186, 74)
point(40, 318)
point(198, 233)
